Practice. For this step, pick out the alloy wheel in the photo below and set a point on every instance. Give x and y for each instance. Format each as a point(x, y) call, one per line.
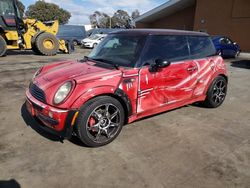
point(103, 123)
point(219, 92)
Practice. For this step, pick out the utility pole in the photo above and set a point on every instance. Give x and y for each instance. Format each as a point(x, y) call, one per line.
point(110, 22)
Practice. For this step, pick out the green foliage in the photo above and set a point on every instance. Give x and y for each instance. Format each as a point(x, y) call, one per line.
point(120, 19)
point(135, 14)
point(100, 20)
point(43, 11)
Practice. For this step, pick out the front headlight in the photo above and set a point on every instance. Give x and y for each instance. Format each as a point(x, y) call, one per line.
point(62, 92)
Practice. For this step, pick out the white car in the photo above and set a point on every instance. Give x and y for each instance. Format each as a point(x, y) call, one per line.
point(93, 40)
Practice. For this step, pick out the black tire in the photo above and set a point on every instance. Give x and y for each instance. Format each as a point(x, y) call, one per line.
point(237, 54)
point(47, 50)
point(94, 45)
point(216, 93)
point(35, 50)
point(75, 43)
point(33, 44)
point(222, 55)
point(219, 53)
point(3, 46)
point(94, 126)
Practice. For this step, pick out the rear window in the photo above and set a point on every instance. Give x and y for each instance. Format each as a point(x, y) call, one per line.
point(201, 47)
point(171, 48)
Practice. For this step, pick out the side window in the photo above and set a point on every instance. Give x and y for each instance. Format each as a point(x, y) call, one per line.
point(171, 48)
point(6, 8)
point(223, 41)
point(112, 43)
point(201, 47)
point(229, 41)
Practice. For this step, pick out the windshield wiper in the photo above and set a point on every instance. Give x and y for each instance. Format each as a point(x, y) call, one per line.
point(85, 59)
point(99, 60)
point(108, 62)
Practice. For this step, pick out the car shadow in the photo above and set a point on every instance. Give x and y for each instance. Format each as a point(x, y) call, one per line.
point(9, 184)
point(30, 121)
point(27, 53)
point(76, 141)
point(241, 64)
point(20, 52)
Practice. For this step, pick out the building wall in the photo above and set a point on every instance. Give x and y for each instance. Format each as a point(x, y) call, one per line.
point(183, 19)
point(142, 25)
point(225, 17)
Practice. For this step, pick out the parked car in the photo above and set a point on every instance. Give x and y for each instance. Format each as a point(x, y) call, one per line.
point(102, 31)
point(93, 40)
point(129, 75)
point(73, 33)
point(226, 47)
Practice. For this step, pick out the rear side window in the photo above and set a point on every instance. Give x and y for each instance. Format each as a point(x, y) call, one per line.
point(201, 47)
point(171, 48)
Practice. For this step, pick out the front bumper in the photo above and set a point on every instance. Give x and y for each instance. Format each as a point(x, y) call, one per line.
point(56, 121)
point(88, 45)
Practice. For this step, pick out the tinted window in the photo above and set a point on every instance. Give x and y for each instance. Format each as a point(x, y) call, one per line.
point(171, 48)
point(121, 50)
point(6, 8)
point(201, 47)
point(71, 31)
point(225, 41)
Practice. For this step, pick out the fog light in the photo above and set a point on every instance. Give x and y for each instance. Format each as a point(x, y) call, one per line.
point(50, 114)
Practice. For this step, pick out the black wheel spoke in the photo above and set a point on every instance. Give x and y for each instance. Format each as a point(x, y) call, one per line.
point(107, 110)
point(106, 119)
point(113, 115)
point(107, 134)
point(97, 137)
point(94, 127)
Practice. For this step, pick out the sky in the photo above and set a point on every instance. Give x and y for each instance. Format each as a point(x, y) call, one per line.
point(81, 9)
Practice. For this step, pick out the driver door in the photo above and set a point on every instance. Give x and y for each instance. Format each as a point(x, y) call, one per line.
point(167, 85)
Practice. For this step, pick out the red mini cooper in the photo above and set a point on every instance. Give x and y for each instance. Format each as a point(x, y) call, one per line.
point(129, 75)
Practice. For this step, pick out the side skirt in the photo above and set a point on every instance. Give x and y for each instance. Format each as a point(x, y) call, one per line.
point(164, 108)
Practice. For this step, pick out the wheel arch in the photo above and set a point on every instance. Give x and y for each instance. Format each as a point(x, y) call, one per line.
point(224, 76)
point(33, 39)
point(119, 95)
point(211, 81)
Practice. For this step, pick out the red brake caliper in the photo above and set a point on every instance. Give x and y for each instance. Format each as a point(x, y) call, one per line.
point(92, 122)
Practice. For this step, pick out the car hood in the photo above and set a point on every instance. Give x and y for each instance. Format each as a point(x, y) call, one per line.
point(71, 70)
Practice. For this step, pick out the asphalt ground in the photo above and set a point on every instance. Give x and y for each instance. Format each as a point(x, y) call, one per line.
point(187, 147)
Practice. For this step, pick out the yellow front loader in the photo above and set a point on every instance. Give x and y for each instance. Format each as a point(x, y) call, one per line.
point(16, 33)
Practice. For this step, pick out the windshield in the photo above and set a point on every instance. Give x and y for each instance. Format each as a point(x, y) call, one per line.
point(6, 8)
point(120, 50)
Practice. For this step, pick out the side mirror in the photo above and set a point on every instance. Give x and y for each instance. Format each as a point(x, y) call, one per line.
point(159, 63)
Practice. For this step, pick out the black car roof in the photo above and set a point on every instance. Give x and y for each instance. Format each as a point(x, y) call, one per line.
point(160, 32)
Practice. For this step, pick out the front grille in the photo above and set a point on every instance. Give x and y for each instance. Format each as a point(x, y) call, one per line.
point(36, 92)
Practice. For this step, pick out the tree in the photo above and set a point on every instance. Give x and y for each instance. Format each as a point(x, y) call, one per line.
point(135, 14)
point(21, 7)
point(100, 20)
point(47, 12)
point(121, 19)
